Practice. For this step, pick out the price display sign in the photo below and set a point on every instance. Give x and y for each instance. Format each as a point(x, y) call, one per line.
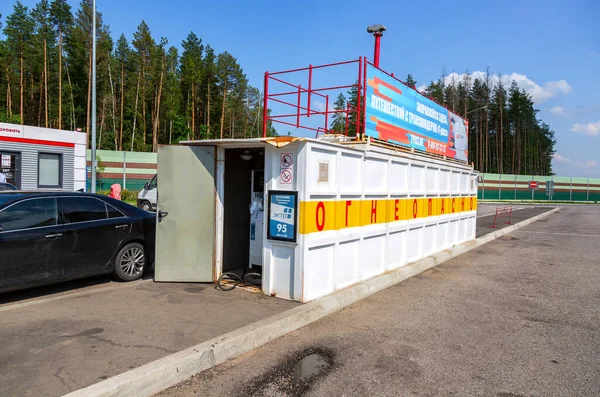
point(283, 216)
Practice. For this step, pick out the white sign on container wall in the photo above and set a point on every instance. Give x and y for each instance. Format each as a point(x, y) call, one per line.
point(5, 160)
point(286, 160)
point(286, 173)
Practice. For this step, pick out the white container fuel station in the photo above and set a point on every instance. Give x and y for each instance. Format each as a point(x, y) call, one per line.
point(316, 215)
point(329, 213)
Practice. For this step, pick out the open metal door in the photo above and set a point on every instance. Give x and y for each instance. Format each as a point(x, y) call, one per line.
point(185, 229)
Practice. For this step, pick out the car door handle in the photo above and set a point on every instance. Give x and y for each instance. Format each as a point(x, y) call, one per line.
point(161, 215)
point(53, 235)
point(121, 226)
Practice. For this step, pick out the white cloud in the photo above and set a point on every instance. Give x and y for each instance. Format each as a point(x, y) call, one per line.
point(589, 129)
point(574, 111)
point(587, 164)
point(558, 111)
point(561, 159)
point(539, 92)
point(320, 106)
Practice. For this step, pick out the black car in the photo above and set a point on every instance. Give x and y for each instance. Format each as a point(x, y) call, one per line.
point(7, 187)
point(51, 237)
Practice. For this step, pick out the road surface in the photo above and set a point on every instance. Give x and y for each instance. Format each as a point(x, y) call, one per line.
point(516, 317)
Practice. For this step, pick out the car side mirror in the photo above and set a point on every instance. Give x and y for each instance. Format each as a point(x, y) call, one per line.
point(147, 186)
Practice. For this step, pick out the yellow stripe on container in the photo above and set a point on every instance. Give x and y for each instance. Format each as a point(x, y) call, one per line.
point(320, 216)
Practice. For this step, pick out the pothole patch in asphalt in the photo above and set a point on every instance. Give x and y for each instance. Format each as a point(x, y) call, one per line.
point(293, 376)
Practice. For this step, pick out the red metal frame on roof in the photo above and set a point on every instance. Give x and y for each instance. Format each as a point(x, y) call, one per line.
point(300, 111)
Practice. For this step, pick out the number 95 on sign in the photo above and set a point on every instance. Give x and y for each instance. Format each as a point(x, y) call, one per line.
point(282, 222)
point(282, 216)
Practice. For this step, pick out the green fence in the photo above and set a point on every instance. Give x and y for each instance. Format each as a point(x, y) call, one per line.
point(129, 169)
point(516, 187)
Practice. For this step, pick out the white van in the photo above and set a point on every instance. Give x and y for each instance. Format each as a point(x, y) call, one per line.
point(146, 199)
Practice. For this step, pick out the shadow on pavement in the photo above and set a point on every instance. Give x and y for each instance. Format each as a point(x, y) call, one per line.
point(63, 288)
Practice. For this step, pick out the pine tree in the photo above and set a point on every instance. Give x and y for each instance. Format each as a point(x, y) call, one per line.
point(210, 81)
point(435, 91)
point(230, 80)
point(45, 36)
point(145, 46)
point(122, 55)
point(338, 122)
point(191, 75)
point(79, 49)
point(19, 34)
point(61, 18)
point(353, 98)
point(158, 77)
point(410, 81)
point(173, 97)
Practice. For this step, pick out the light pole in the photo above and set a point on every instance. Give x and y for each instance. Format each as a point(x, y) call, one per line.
point(377, 31)
point(94, 162)
point(474, 110)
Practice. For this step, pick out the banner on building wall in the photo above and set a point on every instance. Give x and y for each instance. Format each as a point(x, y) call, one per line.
point(11, 130)
point(283, 216)
point(398, 114)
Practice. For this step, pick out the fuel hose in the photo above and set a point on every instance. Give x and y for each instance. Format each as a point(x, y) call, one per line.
point(228, 281)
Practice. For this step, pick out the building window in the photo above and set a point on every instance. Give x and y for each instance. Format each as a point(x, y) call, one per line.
point(49, 170)
point(10, 166)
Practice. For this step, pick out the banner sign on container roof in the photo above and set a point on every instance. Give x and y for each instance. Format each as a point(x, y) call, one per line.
point(398, 114)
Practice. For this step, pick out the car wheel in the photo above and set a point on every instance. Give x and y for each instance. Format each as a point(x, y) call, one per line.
point(146, 206)
point(130, 262)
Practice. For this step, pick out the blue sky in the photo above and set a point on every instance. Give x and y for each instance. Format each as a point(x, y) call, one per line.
point(551, 47)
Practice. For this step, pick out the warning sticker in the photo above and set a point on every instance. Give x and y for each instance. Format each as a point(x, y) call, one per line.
point(286, 160)
point(286, 177)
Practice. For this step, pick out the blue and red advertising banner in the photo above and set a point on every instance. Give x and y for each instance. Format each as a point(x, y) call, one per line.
point(398, 114)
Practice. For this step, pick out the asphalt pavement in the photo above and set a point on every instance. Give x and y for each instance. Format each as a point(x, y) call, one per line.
point(516, 317)
point(57, 339)
point(60, 338)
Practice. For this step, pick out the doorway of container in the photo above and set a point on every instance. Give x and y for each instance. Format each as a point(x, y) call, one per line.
point(243, 214)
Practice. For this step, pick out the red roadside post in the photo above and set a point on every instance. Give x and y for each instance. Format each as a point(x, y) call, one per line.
point(502, 211)
point(509, 216)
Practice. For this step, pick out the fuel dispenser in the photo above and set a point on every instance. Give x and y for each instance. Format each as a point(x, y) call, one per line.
point(256, 218)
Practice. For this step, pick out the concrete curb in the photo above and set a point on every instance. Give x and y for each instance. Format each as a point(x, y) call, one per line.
point(168, 371)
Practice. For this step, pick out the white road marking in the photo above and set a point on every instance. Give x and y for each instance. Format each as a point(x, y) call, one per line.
point(561, 234)
point(493, 213)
